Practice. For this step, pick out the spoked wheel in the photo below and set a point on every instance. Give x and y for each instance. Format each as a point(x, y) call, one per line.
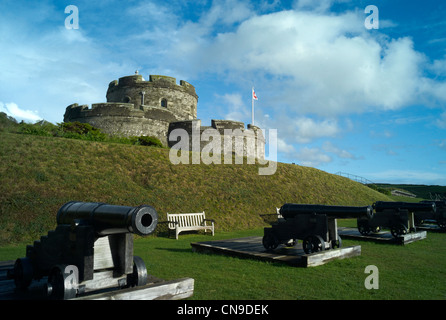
point(398, 230)
point(62, 282)
point(23, 273)
point(270, 242)
point(139, 275)
point(313, 243)
point(337, 243)
point(363, 228)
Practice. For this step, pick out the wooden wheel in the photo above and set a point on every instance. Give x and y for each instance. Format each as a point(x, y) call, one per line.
point(313, 244)
point(269, 241)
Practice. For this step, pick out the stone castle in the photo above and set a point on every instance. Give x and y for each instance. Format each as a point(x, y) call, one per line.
point(136, 107)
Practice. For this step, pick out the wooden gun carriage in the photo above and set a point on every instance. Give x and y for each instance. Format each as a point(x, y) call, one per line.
point(316, 225)
point(396, 216)
point(91, 249)
point(438, 216)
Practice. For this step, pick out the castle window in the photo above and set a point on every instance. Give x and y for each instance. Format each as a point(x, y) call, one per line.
point(164, 103)
point(127, 99)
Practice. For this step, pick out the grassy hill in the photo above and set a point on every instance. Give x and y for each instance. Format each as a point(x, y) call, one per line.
point(38, 174)
point(421, 191)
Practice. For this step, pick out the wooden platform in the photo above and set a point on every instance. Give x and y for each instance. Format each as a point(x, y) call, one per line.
point(382, 236)
point(432, 227)
point(156, 289)
point(251, 247)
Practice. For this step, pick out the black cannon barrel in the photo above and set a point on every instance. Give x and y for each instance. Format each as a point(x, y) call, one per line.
point(290, 210)
point(399, 205)
point(109, 219)
point(439, 204)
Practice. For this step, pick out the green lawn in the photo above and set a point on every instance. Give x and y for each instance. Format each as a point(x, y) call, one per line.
point(415, 271)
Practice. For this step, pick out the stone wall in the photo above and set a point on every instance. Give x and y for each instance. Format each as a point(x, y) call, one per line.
point(122, 119)
point(232, 136)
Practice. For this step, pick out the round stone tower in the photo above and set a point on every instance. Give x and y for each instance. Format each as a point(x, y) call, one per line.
point(136, 107)
point(159, 91)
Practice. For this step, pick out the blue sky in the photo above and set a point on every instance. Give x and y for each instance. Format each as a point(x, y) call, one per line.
point(369, 102)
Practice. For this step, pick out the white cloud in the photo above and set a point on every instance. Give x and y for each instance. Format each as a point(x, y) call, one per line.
point(441, 122)
point(312, 61)
point(284, 147)
point(301, 129)
point(47, 67)
point(442, 144)
point(318, 6)
point(307, 129)
point(13, 110)
point(439, 66)
point(311, 157)
point(329, 147)
point(235, 105)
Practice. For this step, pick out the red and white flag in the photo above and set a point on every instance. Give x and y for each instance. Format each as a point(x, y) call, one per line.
point(254, 97)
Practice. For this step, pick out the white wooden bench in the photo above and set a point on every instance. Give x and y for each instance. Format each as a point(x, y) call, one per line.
point(188, 222)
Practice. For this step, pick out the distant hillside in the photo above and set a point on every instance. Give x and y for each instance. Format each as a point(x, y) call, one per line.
point(421, 191)
point(38, 174)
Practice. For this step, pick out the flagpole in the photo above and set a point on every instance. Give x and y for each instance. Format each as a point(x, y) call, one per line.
point(252, 107)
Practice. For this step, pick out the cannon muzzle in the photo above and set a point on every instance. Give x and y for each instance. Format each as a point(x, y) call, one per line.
point(290, 210)
point(439, 204)
point(109, 219)
point(409, 206)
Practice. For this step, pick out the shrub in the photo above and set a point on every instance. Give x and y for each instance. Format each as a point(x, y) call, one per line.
point(149, 141)
point(385, 191)
point(78, 130)
point(40, 128)
point(7, 123)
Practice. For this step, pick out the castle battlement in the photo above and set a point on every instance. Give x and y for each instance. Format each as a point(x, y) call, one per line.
point(161, 81)
point(154, 107)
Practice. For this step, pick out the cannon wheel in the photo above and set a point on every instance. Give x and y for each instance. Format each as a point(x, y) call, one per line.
point(23, 273)
point(139, 275)
point(363, 228)
point(313, 243)
point(59, 285)
point(270, 241)
point(398, 230)
point(442, 224)
point(337, 243)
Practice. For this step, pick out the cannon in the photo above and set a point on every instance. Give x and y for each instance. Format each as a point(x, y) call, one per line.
point(90, 249)
point(396, 216)
point(315, 225)
point(439, 215)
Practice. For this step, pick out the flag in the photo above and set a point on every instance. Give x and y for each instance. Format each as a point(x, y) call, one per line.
point(254, 97)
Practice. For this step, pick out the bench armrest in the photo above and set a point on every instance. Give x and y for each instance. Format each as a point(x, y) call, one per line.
point(210, 220)
point(167, 222)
